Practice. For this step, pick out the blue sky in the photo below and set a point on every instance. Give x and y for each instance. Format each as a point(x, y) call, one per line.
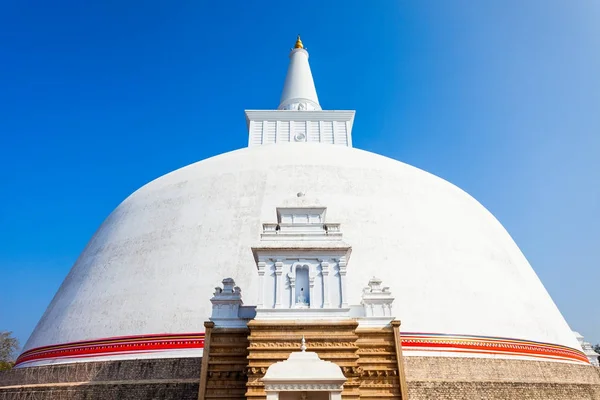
point(502, 98)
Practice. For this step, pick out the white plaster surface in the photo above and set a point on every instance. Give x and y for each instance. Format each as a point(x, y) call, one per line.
point(152, 265)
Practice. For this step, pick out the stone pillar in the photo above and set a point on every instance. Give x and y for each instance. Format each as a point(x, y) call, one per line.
point(292, 278)
point(261, 283)
point(325, 273)
point(279, 288)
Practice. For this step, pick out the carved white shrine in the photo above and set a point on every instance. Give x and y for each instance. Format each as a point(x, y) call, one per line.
point(304, 376)
point(302, 266)
point(301, 263)
point(228, 310)
point(588, 349)
point(377, 304)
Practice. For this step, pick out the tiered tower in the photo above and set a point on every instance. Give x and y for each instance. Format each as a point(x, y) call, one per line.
point(312, 125)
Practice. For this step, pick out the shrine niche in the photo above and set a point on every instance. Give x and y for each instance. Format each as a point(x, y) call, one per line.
point(301, 262)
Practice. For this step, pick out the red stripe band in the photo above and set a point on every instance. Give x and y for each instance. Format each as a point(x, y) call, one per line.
point(410, 342)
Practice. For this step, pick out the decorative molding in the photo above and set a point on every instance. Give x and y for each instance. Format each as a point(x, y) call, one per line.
point(114, 346)
point(294, 345)
point(283, 387)
point(488, 345)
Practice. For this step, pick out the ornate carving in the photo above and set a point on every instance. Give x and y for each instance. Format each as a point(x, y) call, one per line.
point(366, 350)
point(302, 386)
point(294, 345)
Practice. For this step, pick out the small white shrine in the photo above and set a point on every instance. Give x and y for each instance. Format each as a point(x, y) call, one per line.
point(304, 376)
point(302, 264)
point(588, 349)
point(377, 304)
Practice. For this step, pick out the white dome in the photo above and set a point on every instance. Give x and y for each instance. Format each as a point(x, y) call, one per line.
point(152, 266)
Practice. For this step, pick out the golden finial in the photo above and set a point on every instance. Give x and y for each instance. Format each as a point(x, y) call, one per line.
point(298, 44)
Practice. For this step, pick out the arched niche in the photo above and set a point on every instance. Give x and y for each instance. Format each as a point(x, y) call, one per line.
point(301, 295)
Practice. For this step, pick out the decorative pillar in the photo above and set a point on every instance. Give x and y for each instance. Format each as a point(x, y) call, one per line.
point(292, 278)
point(279, 288)
point(325, 273)
point(311, 283)
point(261, 283)
point(342, 266)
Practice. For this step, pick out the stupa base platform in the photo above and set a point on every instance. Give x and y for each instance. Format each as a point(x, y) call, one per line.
point(428, 378)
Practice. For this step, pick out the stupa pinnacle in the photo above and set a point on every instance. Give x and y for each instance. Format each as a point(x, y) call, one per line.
point(298, 44)
point(299, 92)
point(299, 117)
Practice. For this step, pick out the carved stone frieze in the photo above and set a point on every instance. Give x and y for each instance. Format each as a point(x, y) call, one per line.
point(302, 387)
point(367, 357)
point(294, 345)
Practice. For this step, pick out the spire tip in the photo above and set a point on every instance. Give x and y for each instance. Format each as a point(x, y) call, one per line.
point(298, 44)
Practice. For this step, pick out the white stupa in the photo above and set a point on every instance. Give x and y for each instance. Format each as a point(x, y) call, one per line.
point(142, 286)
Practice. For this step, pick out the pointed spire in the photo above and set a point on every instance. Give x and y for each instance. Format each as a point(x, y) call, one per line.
point(299, 91)
point(298, 44)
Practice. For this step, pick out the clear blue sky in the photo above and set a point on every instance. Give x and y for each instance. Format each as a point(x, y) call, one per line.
point(502, 98)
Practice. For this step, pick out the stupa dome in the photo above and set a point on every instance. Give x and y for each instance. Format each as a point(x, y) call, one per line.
point(151, 267)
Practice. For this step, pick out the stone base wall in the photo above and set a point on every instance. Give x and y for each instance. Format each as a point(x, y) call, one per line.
point(439, 378)
point(175, 379)
point(500, 391)
point(104, 391)
point(453, 378)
